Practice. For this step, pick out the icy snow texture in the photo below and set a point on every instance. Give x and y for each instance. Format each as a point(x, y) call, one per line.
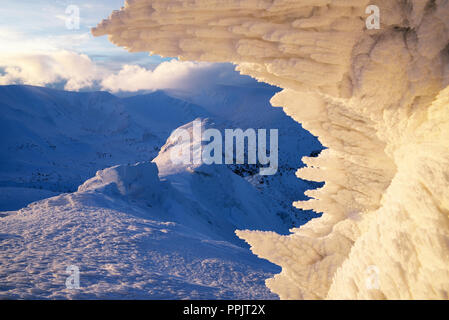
point(133, 237)
point(374, 97)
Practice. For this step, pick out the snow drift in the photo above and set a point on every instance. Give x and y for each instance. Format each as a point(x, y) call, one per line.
point(133, 236)
point(376, 98)
point(134, 180)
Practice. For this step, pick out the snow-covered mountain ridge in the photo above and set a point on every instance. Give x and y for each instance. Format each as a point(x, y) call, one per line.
point(136, 228)
point(55, 140)
point(132, 236)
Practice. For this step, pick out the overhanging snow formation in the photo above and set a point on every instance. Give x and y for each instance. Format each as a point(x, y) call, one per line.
point(376, 98)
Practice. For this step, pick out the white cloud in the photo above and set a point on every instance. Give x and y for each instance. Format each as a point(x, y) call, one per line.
point(172, 74)
point(44, 68)
point(78, 72)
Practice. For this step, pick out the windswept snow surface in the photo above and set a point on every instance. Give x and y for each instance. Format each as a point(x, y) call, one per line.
point(132, 236)
point(136, 228)
point(377, 98)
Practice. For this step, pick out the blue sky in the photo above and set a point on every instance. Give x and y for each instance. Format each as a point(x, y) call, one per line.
point(41, 25)
point(37, 48)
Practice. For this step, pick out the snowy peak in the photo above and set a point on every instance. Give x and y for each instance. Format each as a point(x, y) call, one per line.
point(168, 222)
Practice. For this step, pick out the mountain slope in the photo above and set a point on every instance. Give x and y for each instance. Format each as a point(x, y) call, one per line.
point(52, 141)
point(135, 228)
point(55, 140)
point(132, 237)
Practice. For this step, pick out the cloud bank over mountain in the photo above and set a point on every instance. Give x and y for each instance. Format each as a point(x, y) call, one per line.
point(376, 98)
point(74, 71)
point(43, 68)
point(174, 74)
